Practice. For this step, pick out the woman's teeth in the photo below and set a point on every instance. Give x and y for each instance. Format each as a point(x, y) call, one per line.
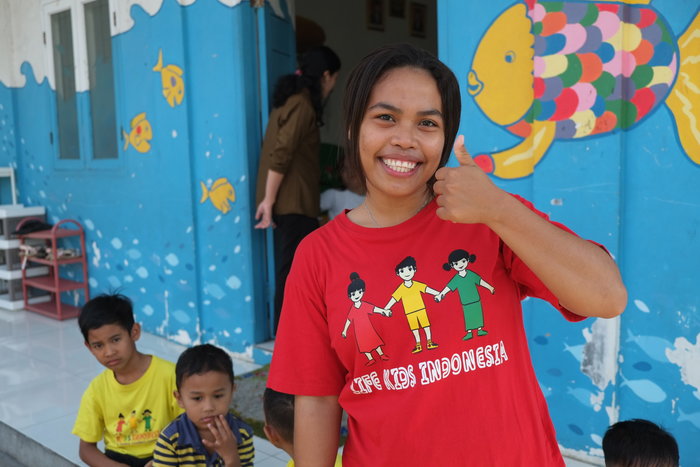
point(400, 166)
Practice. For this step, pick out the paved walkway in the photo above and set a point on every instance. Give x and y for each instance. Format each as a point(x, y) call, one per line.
point(44, 369)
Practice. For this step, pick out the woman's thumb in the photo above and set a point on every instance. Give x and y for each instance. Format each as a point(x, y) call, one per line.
point(461, 152)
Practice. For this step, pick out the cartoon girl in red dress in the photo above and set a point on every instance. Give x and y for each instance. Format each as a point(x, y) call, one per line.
point(366, 337)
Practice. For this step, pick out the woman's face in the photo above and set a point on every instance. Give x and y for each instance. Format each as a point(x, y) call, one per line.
point(401, 134)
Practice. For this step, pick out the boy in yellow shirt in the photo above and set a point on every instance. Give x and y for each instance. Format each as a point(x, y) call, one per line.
point(132, 400)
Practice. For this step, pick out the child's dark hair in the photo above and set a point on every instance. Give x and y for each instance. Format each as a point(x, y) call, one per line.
point(355, 283)
point(311, 68)
point(367, 74)
point(639, 443)
point(406, 262)
point(202, 359)
point(104, 309)
point(279, 413)
point(456, 256)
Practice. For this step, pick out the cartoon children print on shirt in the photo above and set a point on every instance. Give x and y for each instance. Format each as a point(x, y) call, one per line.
point(365, 335)
point(120, 423)
point(147, 418)
point(133, 421)
point(409, 293)
point(465, 282)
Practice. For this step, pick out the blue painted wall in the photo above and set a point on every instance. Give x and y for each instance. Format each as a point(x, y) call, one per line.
point(637, 193)
point(191, 269)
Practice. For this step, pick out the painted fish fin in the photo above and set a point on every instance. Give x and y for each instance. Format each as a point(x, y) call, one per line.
point(684, 98)
point(205, 193)
point(125, 135)
point(159, 65)
point(520, 160)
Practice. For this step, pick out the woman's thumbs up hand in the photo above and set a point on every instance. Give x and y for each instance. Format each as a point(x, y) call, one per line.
point(465, 193)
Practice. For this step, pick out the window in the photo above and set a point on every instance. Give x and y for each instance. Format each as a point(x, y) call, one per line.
point(80, 53)
point(64, 72)
point(101, 79)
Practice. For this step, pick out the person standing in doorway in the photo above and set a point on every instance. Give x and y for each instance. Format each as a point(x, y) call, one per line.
point(288, 185)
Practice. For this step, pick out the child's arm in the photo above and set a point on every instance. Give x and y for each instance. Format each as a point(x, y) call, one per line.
point(94, 457)
point(316, 430)
point(486, 285)
point(225, 443)
point(442, 293)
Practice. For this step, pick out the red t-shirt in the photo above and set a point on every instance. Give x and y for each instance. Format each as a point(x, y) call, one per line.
point(466, 402)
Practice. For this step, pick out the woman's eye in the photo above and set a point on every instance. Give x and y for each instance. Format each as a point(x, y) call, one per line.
point(428, 123)
point(385, 117)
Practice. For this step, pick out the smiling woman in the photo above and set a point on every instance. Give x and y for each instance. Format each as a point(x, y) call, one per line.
point(402, 110)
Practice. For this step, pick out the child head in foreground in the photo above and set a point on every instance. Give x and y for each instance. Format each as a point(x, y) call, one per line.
point(278, 408)
point(205, 385)
point(279, 419)
point(207, 433)
point(639, 443)
point(107, 324)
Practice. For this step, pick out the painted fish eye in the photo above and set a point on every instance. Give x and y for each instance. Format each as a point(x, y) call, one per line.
point(510, 56)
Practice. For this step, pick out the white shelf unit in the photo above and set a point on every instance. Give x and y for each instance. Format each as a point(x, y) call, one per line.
point(11, 297)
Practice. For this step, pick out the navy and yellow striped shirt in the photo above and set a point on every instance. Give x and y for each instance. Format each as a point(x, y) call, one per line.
point(179, 444)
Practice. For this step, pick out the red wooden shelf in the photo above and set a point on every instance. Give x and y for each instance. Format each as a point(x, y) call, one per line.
point(49, 309)
point(54, 233)
point(53, 282)
point(49, 283)
point(50, 262)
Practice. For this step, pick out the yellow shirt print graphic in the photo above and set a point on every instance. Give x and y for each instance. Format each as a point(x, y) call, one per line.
point(410, 297)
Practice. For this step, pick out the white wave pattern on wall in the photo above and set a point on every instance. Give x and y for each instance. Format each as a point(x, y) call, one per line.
point(22, 28)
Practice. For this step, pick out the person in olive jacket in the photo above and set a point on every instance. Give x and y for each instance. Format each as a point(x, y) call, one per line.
point(288, 186)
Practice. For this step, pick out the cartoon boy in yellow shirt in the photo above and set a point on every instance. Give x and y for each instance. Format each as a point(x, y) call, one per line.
point(409, 293)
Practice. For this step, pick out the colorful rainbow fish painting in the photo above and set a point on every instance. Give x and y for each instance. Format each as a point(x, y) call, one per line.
point(553, 70)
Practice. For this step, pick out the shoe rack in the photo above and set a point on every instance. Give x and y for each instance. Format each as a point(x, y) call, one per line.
point(64, 247)
point(11, 215)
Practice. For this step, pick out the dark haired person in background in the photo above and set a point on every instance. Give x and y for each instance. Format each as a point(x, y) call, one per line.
point(288, 186)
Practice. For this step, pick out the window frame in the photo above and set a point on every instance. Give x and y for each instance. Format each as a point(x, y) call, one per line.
point(82, 83)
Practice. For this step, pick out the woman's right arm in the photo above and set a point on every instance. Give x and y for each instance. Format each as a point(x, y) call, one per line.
point(316, 430)
point(264, 211)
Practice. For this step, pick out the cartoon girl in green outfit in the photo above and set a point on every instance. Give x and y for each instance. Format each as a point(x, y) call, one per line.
point(465, 283)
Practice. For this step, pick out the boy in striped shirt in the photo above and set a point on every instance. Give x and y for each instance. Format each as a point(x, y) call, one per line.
point(207, 434)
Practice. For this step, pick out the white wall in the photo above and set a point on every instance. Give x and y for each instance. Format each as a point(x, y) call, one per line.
point(346, 33)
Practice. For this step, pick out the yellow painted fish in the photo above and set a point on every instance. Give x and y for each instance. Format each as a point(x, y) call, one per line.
point(171, 77)
point(560, 70)
point(221, 194)
point(140, 135)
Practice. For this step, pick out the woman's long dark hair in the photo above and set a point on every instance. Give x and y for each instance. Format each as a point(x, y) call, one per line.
point(311, 67)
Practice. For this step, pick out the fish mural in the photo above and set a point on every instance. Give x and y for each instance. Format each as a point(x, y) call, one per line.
point(171, 77)
point(655, 347)
point(645, 389)
point(140, 135)
point(693, 418)
point(221, 194)
point(553, 70)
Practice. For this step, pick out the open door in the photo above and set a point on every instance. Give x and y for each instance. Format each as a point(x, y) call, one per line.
point(276, 57)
